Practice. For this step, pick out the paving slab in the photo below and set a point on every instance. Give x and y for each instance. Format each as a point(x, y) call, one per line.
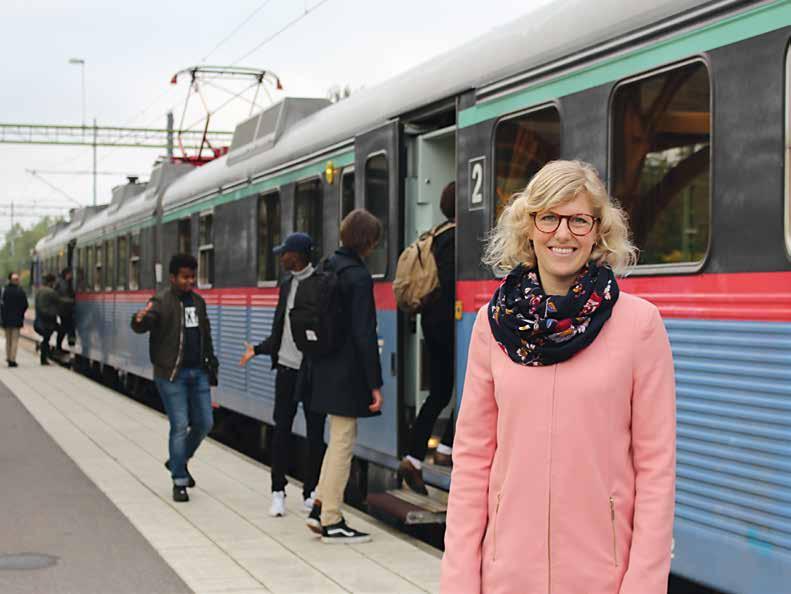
point(223, 540)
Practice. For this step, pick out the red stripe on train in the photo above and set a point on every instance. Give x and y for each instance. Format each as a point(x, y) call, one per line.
point(755, 296)
point(237, 296)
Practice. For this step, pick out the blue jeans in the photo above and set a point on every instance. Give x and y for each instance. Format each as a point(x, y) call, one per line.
point(187, 402)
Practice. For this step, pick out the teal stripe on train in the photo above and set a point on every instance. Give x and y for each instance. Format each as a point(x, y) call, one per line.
point(729, 30)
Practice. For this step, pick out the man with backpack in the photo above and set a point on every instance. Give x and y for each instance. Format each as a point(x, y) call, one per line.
point(437, 322)
point(346, 377)
point(65, 290)
point(290, 381)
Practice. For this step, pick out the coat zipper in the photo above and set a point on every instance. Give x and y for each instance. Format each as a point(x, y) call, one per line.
point(549, 494)
point(494, 530)
point(612, 521)
point(181, 343)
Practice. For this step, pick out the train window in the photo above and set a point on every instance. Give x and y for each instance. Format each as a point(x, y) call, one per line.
point(308, 212)
point(98, 279)
point(523, 144)
point(109, 264)
point(268, 236)
point(660, 172)
point(788, 157)
point(184, 236)
point(377, 202)
point(134, 261)
point(206, 250)
point(77, 272)
point(89, 263)
point(347, 192)
point(122, 262)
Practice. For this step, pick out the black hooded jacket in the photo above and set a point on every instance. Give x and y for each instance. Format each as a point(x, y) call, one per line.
point(341, 382)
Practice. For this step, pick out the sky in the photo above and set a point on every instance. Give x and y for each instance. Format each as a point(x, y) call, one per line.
point(132, 49)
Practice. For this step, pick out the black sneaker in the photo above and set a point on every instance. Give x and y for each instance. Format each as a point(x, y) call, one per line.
point(12, 364)
point(180, 493)
point(340, 533)
point(314, 518)
point(189, 476)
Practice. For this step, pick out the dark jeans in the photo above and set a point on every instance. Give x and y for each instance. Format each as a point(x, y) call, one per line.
point(66, 328)
point(439, 340)
point(187, 402)
point(46, 350)
point(286, 405)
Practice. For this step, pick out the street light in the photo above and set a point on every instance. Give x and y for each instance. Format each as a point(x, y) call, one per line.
point(81, 63)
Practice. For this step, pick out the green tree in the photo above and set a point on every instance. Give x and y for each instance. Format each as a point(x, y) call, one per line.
point(17, 250)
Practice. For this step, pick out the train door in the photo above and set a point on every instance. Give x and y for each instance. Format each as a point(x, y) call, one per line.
point(431, 159)
point(377, 177)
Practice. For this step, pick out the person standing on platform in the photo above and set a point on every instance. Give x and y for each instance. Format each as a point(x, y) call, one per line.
point(14, 305)
point(47, 307)
point(65, 291)
point(346, 383)
point(291, 368)
point(181, 350)
point(438, 325)
point(564, 458)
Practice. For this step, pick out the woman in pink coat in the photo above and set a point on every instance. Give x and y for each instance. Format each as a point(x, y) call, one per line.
point(564, 459)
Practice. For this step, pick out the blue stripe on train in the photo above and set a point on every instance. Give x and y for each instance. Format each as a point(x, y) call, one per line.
point(105, 336)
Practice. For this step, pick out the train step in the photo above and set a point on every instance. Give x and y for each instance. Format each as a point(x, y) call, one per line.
point(410, 507)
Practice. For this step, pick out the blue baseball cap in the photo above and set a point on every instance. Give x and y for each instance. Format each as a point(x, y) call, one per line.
point(295, 242)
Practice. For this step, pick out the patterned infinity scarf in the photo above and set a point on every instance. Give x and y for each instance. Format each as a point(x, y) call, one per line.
point(538, 329)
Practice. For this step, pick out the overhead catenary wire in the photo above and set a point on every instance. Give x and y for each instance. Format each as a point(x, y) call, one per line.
point(236, 29)
point(283, 29)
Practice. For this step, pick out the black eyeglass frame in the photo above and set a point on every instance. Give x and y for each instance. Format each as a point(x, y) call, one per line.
point(596, 220)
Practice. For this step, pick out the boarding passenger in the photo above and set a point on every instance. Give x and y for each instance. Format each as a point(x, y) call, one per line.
point(437, 323)
point(290, 381)
point(13, 306)
point(181, 350)
point(564, 458)
point(346, 384)
point(65, 291)
point(47, 307)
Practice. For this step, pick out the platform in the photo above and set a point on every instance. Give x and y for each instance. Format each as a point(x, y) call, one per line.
point(223, 540)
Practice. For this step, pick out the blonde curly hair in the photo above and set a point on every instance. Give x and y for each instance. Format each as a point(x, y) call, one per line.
point(559, 182)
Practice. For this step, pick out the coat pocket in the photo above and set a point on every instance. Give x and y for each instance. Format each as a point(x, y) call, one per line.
point(494, 526)
point(614, 534)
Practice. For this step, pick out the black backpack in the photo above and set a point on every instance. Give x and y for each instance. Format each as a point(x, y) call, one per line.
point(317, 315)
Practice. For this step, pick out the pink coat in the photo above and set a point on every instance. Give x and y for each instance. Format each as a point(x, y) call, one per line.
point(564, 476)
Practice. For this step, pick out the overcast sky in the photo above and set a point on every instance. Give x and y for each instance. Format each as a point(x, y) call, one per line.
point(132, 49)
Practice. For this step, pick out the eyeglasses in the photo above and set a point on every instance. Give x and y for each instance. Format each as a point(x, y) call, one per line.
point(579, 224)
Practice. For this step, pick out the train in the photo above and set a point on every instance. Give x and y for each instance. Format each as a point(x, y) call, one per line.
point(682, 106)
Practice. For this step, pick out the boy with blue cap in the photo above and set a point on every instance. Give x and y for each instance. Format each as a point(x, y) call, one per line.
point(287, 359)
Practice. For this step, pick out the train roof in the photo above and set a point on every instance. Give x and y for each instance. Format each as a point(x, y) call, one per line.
point(544, 35)
point(131, 204)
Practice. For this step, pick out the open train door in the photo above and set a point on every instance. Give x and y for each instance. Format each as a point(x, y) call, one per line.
point(378, 166)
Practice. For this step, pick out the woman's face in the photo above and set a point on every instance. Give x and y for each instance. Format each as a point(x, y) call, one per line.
point(561, 254)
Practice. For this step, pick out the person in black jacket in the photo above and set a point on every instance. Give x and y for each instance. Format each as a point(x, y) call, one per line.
point(291, 368)
point(47, 304)
point(14, 305)
point(65, 290)
point(346, 384)
point(437, 323)
point(181, 349)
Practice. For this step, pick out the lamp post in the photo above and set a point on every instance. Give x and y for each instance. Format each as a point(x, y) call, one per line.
point(81, 63)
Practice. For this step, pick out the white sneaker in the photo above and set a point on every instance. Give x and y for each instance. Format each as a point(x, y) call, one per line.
point(308, 503)
point(278, 507)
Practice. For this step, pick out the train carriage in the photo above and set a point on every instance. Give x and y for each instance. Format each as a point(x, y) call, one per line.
point(683, 108)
